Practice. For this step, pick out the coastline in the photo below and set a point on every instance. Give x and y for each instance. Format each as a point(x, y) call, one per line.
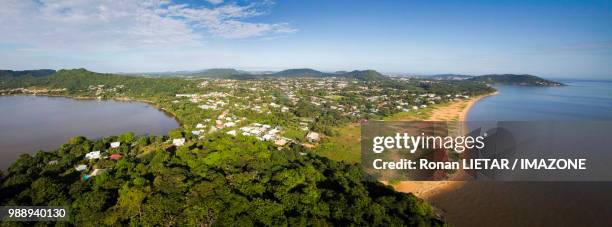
point(120, 99)
point(464, 114)
point(427, 189)
point(516, 203)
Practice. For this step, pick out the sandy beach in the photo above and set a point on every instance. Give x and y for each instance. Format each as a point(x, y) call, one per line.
point(456, 111)
point(478, 203)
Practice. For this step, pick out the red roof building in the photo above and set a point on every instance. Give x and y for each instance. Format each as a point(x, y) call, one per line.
point(115, 156)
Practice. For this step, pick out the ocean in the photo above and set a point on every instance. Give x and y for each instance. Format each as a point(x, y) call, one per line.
point(579, 101)
point(536, 203)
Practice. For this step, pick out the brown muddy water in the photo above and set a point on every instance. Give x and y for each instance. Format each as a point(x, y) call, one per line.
point(535, 203)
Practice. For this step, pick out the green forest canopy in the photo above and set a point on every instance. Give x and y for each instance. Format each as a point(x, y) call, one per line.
point(220, 180)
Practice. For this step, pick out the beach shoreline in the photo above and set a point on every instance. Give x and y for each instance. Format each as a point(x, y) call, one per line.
point(457, 111)
point(465, 112)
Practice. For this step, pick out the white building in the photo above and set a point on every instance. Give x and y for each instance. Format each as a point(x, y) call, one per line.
point(80, 168)
point(274, 131)
point(313, 137)
point(267, 137)
point(232, 132)
point(280, 142)
point(92, 155)
point(97, 171)
point(186, 95)
point(197, 132)
point(178, 142)
point(208, 107)
point(115, 144)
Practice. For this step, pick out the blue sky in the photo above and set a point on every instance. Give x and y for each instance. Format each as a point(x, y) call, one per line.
point(546, 38)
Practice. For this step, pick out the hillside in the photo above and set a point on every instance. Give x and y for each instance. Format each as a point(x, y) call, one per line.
point(34, 73)
point(162, 91)
point(515, 79)
point(229, 73)
point(300, 73)
point(221, 180)
point(450, 77)
point(365, 75)
point(81, 82)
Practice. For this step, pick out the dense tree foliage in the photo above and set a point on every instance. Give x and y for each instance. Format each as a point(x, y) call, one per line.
point(217, 181)
point(33, 73)
point(79, 81)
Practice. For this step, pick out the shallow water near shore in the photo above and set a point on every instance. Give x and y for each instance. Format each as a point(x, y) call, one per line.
point(535, 203)
point(32, 123)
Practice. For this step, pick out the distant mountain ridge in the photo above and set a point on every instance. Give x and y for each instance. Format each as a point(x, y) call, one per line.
point(218, 72)
point(212, 72)
point(364, 75)
point(509, 79)
point(303, 72)
point(449, 77)
point(515, 79)
point(230, 73)
point(34, 73)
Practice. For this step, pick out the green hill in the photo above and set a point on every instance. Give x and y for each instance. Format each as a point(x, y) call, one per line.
point(515, 79)
point(34, 73)
point(218, 181)
point(300, 73)
point(366, 75)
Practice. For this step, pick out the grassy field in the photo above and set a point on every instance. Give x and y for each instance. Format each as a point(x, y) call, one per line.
point(346, 145)
point(421, 114)
point(343, 147)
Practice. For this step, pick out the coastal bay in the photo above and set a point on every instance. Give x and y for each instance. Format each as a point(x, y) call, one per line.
point(526, 203)
point(32, 123)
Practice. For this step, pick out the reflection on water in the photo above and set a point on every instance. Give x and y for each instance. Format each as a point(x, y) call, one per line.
point(31, 123)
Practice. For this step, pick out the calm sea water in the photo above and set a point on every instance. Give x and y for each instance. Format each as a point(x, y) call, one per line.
point(536, 203)
point(32, 123)
point(579, 101)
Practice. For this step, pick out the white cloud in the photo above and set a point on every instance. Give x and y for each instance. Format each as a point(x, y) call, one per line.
point(216, 2)
point(107, 26)
point(225, 21)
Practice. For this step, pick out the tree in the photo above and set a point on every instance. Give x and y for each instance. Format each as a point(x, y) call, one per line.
point(176, 133)
point(232, 180)
point(127, 137)
point(130, 201)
